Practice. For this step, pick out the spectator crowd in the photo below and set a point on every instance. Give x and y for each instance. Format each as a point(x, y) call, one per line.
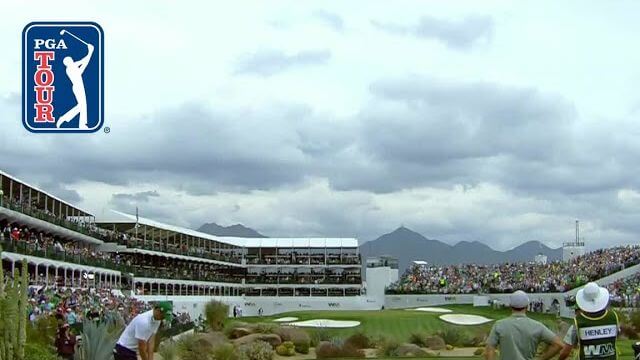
point(73, 306)
point(625, 292)
point(531, 277)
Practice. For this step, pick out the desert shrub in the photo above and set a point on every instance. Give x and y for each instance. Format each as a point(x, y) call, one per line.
point(326, 350)
point(302, 347)
point(337, 349)
point(264, 328)
point(168, 350)
point(377, 341)
point(301, 342)
point(418, 339)
point(300, 339)
point(478, 339)
point(39, 352)
point(215, 314)
point(466, 340)
point(224, 351)
point(359, 341)
point(452, 335)
point(478, 352)
point(257, 350)
point(286, 349)
point(214, 338)
point(349, 351)
point(435, 343)
point(319, 336)
point(388, 348)
point(192, 347)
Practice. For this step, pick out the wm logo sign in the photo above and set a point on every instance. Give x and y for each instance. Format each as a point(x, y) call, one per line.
point(599, 350)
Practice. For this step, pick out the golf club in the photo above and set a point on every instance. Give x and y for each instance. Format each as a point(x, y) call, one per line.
point(63, 31)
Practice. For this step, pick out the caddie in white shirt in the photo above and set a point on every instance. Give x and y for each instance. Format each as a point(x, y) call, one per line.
point(139, 336)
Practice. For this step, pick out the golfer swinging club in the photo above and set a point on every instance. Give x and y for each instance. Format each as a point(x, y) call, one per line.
point(74, 71)
point(138, 338)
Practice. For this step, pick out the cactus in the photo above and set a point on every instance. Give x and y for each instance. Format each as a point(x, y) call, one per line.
point(2, 314)
point(13, 314)
point(22, 310)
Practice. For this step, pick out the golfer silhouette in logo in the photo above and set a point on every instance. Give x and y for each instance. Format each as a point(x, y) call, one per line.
point(74, 71)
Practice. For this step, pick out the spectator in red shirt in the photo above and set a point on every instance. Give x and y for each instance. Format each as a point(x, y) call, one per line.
point(15, 234)
point(65, 342)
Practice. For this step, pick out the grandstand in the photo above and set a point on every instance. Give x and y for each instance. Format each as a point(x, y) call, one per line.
point(167, 257)
point(68, 247)
point(533, 277)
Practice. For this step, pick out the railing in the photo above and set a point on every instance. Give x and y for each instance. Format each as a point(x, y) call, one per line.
point(326, 281)
point(149, 245)
point(24, 248)
point(42, 215)
point(573, 243)
point(316, 261)
point(50, 252)
point(159, 273)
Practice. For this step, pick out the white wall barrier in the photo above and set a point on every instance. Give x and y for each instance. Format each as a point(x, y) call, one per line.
point(481, 301)
point(270, 305)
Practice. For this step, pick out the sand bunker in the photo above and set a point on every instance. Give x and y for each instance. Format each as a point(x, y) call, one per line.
point(286, 319)
point(324, 323)
point(461, 319)
point(432, 310)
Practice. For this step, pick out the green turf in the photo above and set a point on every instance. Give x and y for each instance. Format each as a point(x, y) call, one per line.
point(398, 325)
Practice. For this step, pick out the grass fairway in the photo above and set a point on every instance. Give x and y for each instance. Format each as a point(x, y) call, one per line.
point(398, 325)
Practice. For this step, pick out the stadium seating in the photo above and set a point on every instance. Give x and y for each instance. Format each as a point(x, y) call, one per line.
point(504, 278)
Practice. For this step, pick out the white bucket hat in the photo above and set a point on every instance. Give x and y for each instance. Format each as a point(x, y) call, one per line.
point(592, 298)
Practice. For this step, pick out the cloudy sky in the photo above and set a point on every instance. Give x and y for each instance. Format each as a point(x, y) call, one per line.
point(499, 122)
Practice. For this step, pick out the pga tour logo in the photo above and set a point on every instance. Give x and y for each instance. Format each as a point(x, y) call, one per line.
point(63, 77)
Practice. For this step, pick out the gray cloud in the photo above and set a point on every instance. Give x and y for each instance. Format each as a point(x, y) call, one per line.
point(149, 204)
point(271, 62)
point(143, 196)
point(415, 133)
point(331, 19)
point(421, 131)
point(215, 152)
point(461, 34)
point(61, 191)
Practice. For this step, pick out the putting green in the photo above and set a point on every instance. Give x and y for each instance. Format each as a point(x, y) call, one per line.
point(398, 325)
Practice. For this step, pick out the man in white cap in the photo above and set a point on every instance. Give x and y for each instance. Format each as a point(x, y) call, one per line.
point(518, 336)
point(595, 327)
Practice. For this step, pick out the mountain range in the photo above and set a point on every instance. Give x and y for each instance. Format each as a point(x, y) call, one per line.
point(408, 246)
point(237, 230)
